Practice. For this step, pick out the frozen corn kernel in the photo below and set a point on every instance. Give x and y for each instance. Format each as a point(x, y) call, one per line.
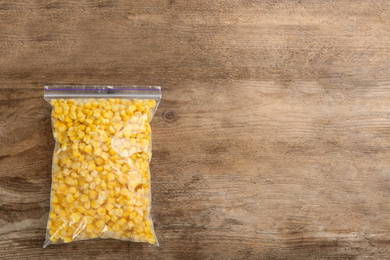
point(90, 228)
point(69, 198)
point(95, 204)
point(100, 223)
point(88, 148)
point(75, 217)
point(73, 190)
point(111, 176)
point(101, 211)
point(101, 177)
point(68, 239)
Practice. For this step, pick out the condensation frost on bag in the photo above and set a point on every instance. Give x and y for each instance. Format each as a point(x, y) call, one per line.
point(100, 172)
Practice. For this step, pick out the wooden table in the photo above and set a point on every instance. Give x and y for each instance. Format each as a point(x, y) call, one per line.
point(272, 140)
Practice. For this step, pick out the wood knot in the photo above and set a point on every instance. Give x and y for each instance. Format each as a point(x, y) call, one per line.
point(169, 116)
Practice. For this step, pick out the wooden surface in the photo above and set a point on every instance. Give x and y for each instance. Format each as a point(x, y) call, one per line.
point(272, 140)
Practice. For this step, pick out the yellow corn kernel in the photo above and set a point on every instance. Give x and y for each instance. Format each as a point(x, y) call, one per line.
point(116, 227)
point(88, 105)
point(111, 130)
point(132, 108)
point(56, 124)
point(62, 128)
point(106, 218)
point(94, 103)
point(105, 148)
point(119, 135)
point(72, 115)
point(61, 117)
point(122, 180)
point(97, 180)
point(109, 207)
point(91, 166)
point(84, 198)
point(69, 198)
point(101, 211)
point(87, 139)
point(130, 224)
point(89, 219)
point(80, 114)
point(119, 212)
point(124, 192)
point(98, 151)
point(126, 118)
point(114, 157)
point(95, 204)
point(87, 130)
point(92, 194)
point(90, 228)
point(111, 176)
point(68, 180)
point(123, 222)
point(75, 217)
point(73, 190)
point(115, 108)
point(75, 182)
point(68, 239)
point(99, 161)
point(112, 151)
point(55, 199)
point(81, 134)
point(102, 195)
point(105, 115)
point(76, 153)
point(126, 214)
point(123, 113)
point(64, 147)
point(111, 200)
point(88, 149)
point(121, 200)
point(127, 132)
point(58, 110)
point(132, 184)
point(63, 186)
point(81, 209)
point(100, 224)
point(107, 167)
point(104, 155)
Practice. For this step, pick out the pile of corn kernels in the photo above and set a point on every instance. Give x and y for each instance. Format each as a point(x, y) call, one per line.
point(100, 179)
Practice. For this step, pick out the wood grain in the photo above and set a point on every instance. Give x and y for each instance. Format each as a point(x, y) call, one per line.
point(272, 140)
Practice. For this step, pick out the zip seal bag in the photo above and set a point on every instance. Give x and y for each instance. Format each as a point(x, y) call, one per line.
point(100, 171)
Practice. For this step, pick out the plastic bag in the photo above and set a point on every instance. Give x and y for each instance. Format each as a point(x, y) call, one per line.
point(100, 173)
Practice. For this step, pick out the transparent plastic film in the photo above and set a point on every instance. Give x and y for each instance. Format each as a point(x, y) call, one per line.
point(100, 172)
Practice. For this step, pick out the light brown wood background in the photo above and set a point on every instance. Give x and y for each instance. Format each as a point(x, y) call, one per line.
point(272, 140)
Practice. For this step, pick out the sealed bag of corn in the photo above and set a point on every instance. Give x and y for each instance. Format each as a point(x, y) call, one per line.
point(100, 173)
